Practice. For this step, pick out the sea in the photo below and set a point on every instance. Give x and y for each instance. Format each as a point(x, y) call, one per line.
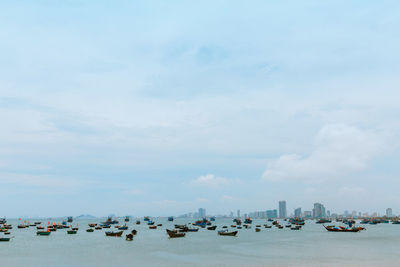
point(378, 245)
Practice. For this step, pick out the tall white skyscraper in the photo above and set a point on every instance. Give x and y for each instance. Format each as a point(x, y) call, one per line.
point(318, 210)
point(202, 213)
point(282, 209)
point(389, 212)
point(297, 213)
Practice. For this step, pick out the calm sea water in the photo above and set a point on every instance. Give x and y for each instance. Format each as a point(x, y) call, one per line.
point(311, 246)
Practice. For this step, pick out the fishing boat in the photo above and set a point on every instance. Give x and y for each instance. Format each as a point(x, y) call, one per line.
point(5, 239)
point(258, 230)
point(192, 229)
point(226, 233)
point(126, 218)
point(174, 234)
point(69, 219)
point(133, 232)
point(212, 219)
point(237, 221)
point(395, 222)
point(152, 227)
point(114, 233)
point(110, 221)
point(333, 228)
point(129, 237)
point(248, 220)
point(268, 226)
point(92, 224)
point(43, 233)
point(171, 219)
point(323, 220)
point(150, 223)
point(159, 225)
point(138, 222)
point(297, 221)
point(98, 228)
point(39, 227)
point(90, 230)
point(212, 228)
point(297, 227)
point(125, 227)
point(146, 218)
point(72, 232)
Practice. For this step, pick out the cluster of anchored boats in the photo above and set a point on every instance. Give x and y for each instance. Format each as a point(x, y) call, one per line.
point(180, 230)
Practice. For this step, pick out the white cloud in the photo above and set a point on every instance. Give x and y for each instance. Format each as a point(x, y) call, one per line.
point(210, 180)
point(339, 149)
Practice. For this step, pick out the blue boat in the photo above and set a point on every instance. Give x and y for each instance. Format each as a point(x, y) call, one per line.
point(171, 219)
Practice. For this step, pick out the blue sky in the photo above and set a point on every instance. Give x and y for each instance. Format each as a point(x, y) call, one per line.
point(158, 108)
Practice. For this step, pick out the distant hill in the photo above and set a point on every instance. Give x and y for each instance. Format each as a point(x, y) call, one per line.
point(85, 216)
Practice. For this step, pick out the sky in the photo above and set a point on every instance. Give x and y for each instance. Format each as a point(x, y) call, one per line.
point(162, 107)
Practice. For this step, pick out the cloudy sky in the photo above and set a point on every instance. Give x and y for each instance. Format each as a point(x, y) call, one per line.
point(162, 107)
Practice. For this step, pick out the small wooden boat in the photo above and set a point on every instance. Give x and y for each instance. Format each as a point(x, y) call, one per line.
point(72, 232)
point(129, 237)
point(258, 230)
point(239, 227)
point(114, 233)
point(36, 223)
point(75, 228)
point(43, 233)
point(224, 226)
point(159, 225)
point(21, 226)
point(152, 227)
point(341, 229)
point(233, 226)
point(5, 239)
point(133, 232)
point(226, 233)
point(192, 230)
point(173, 234)
point(98, 228)
point(268, 226)
point(288, 226)
point(52, 229)
point(212, 228)
point(137, 222)
point(7, 233)
point(258, 225)
point(92, 224)
point(90, 230)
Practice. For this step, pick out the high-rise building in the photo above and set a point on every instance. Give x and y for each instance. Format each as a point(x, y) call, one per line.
point(307, 214)
point(318, 210)
point(238, 213)
point(297, 213)
point(282, 209)
point(202, 213)
point(272, 214)
point(328, 213)
point(389, 213)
